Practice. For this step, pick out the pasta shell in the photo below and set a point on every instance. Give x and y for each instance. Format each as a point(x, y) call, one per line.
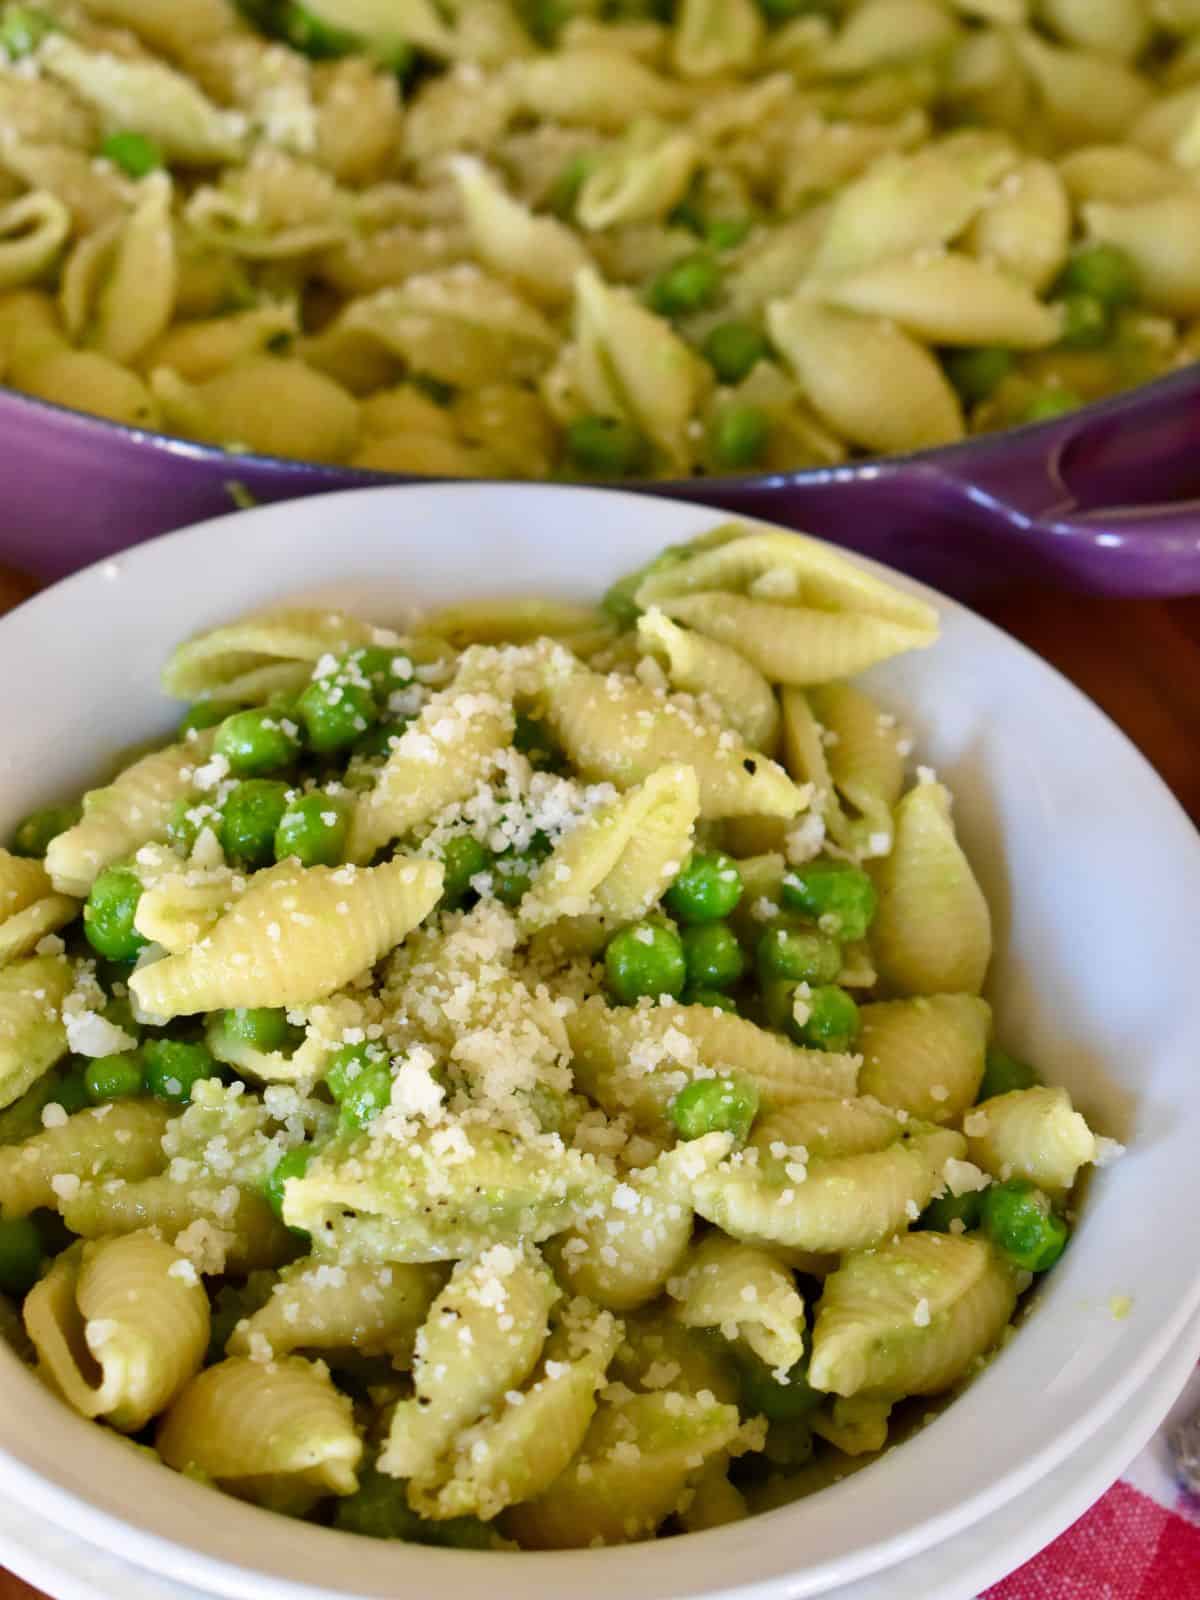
point(503, 1297)
point(1034, 1134)
point(122, 1140)
point(622, 733)
point(273, 947)
point(925, 1056)
point(833, 1203)
point(33, 230)
point(131, 811)
point(610, 1496)
point(635, 1060)
point(791, 644)
point(869, 1334)
point(279, 1435)
point(540, 254)
point(519, 1453)
point(949, 298)
point(700, 666)
point(440, 758)
point(933, 931)
point(148, 97)
point(624, 1256)
point(134, 1309)
point(619, 860)
point(866, 379)
point(746, 1294)
point(32, 1034)
point(372, 1309)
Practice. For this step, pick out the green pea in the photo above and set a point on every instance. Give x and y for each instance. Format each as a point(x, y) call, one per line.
point(379, 1509)
point(1087, 322)
point(1020, 1221)
point(22, 29)
point(837, 895)
point(645, 958)
point(1003, 1073)
point(618, 602)
point(250, 818)
point(715, 1105)
point(256, 741)
point(71, 1091)
point(190, 814)
point(798, 955)
point(311, 35)
point(761, 1394)
point(1103, 270)
point(463, 858)
point(712, 998)
point(713, 955)
point(605, 446)
point(20, 1255)
point(689, 285)
point(365, 1097)
point(264, 1028)
point(565, 190)
point(534, 740)
point(134, 153)
point(732, 349)
point(313, 828)
point(173, 1068)
point(939, 1214)
point(379, 740)
point(707, 888)
point(34, 834)
point(726, 233)
point(737, 436)
point(512, 875)
point(335, 712)
point(832, 1022)
point(689, 213)
point(108, 915)
point(114, 1077)
point(292, 1164)
point(384, 670)
point(1045, 404)
point(978, 372)
point(348, 1064)
point(204, 714)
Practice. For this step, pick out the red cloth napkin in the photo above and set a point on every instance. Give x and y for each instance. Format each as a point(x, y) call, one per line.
point(1140, 1542)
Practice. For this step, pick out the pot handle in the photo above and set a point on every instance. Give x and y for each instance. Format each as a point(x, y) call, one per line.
point(1110, 495)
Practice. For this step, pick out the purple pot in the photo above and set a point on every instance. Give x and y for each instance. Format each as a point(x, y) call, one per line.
point(1105, 499)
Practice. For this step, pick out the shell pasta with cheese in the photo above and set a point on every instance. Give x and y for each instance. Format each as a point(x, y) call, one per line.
point(522, 1082)
point(594, 238)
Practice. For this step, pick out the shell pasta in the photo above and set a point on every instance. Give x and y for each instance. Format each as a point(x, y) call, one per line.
point(594, 238)
point(523, 1082)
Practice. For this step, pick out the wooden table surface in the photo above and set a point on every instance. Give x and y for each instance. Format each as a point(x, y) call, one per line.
point(1138, 659)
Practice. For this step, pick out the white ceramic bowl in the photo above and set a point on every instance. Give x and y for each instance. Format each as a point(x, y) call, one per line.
point(1093, 873)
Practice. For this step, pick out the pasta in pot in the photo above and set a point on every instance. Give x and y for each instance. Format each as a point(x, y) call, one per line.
point(591, 239)
point(450, 1131)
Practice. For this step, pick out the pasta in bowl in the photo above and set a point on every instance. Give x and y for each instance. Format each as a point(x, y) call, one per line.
point(575, 238)
point(568, 1218)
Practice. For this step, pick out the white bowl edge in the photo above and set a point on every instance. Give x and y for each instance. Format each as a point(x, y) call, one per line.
point(1150, 858)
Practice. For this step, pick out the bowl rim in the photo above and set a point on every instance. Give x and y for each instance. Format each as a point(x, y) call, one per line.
point(943, 456)
point(227, 1573)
